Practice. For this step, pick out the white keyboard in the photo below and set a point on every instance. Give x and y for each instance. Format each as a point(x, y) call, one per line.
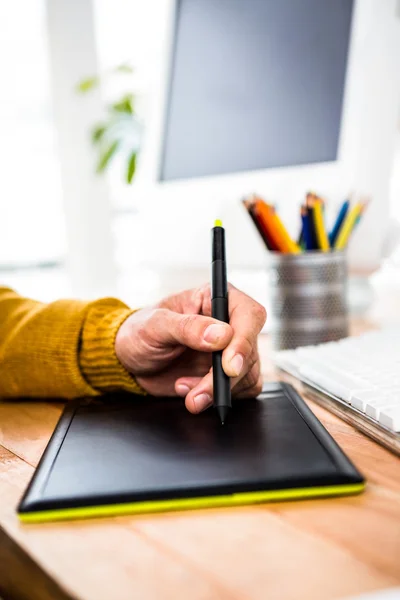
point(357, 378)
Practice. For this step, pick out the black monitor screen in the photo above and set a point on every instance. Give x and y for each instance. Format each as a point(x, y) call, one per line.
point(254, 84)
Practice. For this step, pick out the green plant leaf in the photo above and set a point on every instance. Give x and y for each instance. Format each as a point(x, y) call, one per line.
point(130, 172)
point(124, 68)
point(98, 133)
point(87, 84)
point(106, 156)
point(125, 105)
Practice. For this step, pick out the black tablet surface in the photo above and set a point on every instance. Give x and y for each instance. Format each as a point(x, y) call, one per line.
point(132, 454)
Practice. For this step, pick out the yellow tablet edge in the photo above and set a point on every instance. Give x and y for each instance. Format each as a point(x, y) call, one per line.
point(151, 506)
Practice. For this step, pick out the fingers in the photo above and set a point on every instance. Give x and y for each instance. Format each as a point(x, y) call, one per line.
point(198, 391)
point(183, 385)
point(247, 318)
point(183, 320)
point(251, 385)
point(187, 302)
point(166, 327)
point(200, 396)
point(252, 392)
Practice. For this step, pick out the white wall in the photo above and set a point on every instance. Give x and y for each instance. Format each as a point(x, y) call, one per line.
point(31, 223)
point(86, 201)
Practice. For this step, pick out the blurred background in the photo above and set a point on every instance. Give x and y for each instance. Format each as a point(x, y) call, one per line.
point(67, 230)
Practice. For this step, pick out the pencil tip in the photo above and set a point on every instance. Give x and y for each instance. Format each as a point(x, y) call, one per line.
point(222, 413)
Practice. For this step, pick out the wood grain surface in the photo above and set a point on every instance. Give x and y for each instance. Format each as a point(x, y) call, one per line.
point(314, 549)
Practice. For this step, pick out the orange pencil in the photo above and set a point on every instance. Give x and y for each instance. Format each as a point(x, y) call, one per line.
point(249, 204)
point(276, 228)
point(264, 214)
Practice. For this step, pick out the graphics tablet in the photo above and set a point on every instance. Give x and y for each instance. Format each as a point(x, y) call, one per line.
point(134, 454)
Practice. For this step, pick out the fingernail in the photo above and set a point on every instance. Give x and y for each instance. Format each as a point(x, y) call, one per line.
point(214, 332)
point(182, 389)
point(237, 364)
point(202, 401)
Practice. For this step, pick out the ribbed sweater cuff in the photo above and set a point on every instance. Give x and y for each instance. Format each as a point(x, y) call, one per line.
point(98, 360)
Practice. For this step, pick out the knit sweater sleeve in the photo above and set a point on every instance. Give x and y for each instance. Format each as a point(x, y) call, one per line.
point(64, 349)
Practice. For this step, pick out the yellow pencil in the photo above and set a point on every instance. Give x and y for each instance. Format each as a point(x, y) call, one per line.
point(348, 226)
point(320, 230)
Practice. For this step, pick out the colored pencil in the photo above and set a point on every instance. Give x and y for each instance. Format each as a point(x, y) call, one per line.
point(290, 244)
point(348, 226)
point(320, 231)
point(339, 221)
point(313, 233)
point(309, 208)
point(249, 205)
point(308, 242)
point(269, 240)
point(264, 215)
point(300, 240)
point(284, 240)
point(364, 205)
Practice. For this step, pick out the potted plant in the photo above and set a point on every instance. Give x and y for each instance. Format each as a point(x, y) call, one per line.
point(120, 132)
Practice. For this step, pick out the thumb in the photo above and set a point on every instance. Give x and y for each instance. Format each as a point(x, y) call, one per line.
point(194, 331)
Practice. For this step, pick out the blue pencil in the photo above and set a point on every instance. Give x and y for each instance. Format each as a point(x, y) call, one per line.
point(306, 229)
point(340, 218)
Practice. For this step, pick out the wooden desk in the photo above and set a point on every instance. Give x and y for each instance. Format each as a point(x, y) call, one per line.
point(315, 549)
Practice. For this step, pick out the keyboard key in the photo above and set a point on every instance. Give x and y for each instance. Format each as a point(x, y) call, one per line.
point(333, 380)
point(374, 410)
point(390, 417)
point(375, 406)
point(290, 359)
point(359, 399)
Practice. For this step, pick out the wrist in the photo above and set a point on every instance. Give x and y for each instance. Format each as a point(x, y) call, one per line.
point(98, 358)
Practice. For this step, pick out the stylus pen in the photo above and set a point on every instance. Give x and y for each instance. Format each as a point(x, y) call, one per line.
point(219, 310)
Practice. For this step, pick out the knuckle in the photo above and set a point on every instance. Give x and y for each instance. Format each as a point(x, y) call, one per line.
point(253, 374)
point(261, 312)
point(245, 346)
point(254, 391)
point(253, 361)
point(253, 378)
point(204, 295)
point(258, 386)
point(167, 301)
point(147, 329)
point(205, 288)
point(157, 316)
point(186, 325)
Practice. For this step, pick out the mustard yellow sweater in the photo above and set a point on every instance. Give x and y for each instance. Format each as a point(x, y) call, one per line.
point(60, 350)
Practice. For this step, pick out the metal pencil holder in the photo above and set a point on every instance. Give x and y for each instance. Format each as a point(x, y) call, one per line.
point(308, 298)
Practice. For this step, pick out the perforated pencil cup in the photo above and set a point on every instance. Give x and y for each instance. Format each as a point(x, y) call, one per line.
point(308, 298)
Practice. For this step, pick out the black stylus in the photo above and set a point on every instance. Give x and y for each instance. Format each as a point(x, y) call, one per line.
point(219, 310)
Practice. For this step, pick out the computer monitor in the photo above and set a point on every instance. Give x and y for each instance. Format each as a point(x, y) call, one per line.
point(275, 97)
point(254, 84)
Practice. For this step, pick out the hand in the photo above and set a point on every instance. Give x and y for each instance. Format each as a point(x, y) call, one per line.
point(168, 348)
